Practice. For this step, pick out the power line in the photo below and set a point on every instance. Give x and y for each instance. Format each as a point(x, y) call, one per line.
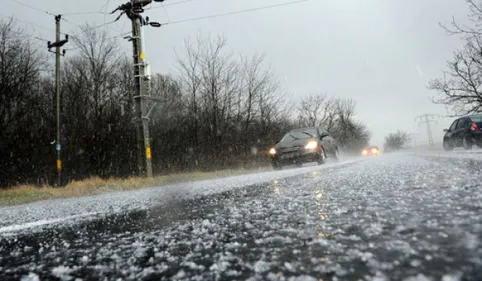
point(41, 39)
point(68, 21)
point(94, 27)
point(102, 25)
point(85, 13)
point(120, 35)
point(64, 19)
point(33, 8)
point(239, 12)
point(168, 4)
point(28, 22)
point(165, 11)
point(50, 29)
point(104, 7)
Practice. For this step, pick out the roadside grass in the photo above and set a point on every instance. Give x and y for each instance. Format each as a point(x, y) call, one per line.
point(23, 194)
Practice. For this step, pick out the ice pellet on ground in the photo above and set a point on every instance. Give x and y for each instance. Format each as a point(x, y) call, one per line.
point(452, 277)
point(261, 266)
point(62, 272)
point(390, 216)
point(30, 277)
point(303, 278)
point(418, 277)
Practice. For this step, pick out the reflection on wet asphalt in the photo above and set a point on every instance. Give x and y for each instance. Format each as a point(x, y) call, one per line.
point(390, 218)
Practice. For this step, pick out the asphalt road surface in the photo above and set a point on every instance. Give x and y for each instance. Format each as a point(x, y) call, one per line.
point(395, 217)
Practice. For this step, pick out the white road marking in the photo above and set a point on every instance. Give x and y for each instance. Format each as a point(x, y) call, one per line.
point(18, 227)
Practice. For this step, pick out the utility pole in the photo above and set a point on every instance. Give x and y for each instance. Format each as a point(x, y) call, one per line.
point(133, 9)
point(427, 119)
point(57, 45)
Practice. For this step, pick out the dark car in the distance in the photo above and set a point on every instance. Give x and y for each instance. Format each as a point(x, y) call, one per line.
point(313, 144)
point(464, 132)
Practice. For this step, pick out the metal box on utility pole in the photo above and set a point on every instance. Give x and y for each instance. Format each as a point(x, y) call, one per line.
point(147, 70)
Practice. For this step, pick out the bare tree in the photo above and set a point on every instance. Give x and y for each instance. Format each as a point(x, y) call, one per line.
point(233, 101)
point(99, 103)
point(397, 141)
point(474, 16)
point(258, 89)
point(350, 134)
point(99, 58)
point(337, 115)
point(460, 86)
point(190, 82)
point(317, 109)
point(167, 102)
point(20, 67)
point(24, 122)
point(212, 76)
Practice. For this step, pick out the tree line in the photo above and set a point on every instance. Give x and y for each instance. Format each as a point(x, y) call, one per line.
point(219, 110)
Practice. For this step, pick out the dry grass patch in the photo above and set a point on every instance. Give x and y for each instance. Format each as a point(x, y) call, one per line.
point(23, 194)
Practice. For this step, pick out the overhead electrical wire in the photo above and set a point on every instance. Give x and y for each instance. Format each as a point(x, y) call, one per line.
point(41, 39)
point(103, 9)
point(165, 11)
point(163, 5)
point(68, 21)
point(33, 7)
point(237, 12)
point(30, 23)
point(94, 27)
point(118, 36)
point(91, 28)
point(105, 6)
point(100, 12)
point(64, 19)
point(122, 34)
point(85, 13)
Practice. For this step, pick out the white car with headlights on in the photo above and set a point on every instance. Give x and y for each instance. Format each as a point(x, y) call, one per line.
point(313, 144)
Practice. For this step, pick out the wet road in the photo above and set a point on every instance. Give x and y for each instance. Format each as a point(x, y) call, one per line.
point(396, 217)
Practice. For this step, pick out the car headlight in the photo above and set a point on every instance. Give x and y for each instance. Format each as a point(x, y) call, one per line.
point(272, 151)
point(374, 151)
point(311, 145)
point(364, 152)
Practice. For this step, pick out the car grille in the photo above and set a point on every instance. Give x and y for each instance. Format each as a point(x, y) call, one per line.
point(289, 149)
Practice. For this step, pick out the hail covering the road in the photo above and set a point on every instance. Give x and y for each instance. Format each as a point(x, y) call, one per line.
point(396, 217)
point(43, 213)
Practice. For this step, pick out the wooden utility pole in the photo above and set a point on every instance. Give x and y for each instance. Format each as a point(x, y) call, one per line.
point(134, 9)
point(57, 45)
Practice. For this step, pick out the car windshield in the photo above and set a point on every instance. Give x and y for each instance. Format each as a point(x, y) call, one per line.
point(300, 134)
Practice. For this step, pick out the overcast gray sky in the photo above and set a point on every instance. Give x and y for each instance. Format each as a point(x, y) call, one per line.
point(381, 53)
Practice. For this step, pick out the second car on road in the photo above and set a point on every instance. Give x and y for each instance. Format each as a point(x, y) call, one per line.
point(300, 146)
point(370, 151)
